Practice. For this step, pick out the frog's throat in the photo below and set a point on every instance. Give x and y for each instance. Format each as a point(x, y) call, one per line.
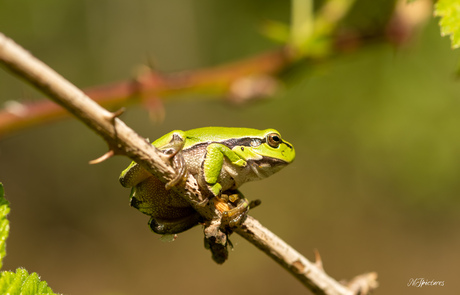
point(266, 166)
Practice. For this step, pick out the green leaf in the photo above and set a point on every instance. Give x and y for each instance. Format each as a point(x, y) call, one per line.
point(4, 223)
point(276, 31)
point(449, 11)
point(21, 283)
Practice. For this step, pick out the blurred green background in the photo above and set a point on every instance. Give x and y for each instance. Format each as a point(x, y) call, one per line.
point(375, 186)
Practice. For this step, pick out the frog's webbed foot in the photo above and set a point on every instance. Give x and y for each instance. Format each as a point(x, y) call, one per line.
point(181, 170)
point(237, 215)
point(234, 208)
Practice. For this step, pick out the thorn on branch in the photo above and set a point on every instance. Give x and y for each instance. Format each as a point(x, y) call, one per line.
point(116, 114)
point(318, 261)
point(102, 158)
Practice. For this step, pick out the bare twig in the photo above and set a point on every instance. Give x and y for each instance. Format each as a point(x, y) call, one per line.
point(123, 140)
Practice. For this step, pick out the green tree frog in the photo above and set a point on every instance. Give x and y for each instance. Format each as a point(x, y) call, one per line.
point(220, 158)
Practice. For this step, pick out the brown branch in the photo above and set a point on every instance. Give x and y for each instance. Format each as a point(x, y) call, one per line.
point(123, 140)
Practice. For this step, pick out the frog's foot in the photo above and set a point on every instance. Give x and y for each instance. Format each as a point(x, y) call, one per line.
point(181, 170)
point(174, 226)
point(201, 203)
point(233, 207)
point(254, 203)
point(173, 151)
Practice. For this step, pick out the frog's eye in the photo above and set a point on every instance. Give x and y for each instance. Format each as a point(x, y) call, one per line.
point(274, 140)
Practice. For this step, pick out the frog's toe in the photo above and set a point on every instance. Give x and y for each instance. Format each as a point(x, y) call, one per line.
point(181, 171)
point(236, 216)
point(254, 203)
point(234, 219)
point(215, 189)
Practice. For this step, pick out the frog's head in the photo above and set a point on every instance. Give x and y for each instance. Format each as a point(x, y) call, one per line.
point(267, 153)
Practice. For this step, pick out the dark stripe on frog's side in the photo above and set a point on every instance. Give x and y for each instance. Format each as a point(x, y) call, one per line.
point(246, 141)
point(242, 141)
point(232, 142)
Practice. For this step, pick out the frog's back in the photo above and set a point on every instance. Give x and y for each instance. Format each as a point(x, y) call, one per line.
point(218, 134)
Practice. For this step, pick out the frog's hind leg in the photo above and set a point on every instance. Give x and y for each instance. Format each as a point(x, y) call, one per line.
point(174, 226)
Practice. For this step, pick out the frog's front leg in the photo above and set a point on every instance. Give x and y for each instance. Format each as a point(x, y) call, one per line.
point(213, 163)
point(172, 148)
